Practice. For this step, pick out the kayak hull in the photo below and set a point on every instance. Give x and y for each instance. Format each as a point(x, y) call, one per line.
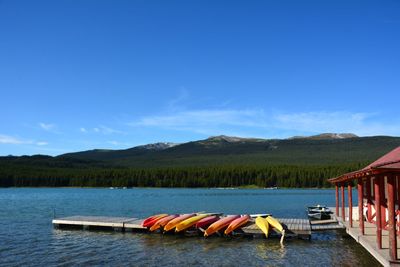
point(236, 224)
point(220, 224)
point(189, 222)
point(153, 219)
point(275, 223)
point(207, 221)
point(263, 224)
point(174, 222)
point(162, 222)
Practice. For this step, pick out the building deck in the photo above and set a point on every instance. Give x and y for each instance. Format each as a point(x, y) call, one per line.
point(368, 241)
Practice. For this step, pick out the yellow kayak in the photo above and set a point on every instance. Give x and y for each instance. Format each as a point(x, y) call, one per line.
point(189, 222)
point(275, 223)
point(262, 223)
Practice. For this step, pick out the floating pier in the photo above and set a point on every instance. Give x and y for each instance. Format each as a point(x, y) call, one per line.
point(300, 228)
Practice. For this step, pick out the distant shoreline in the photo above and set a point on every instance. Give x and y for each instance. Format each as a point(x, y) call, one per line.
point(218, 188)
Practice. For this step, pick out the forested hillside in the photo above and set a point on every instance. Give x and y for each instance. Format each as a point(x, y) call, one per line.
point(215, 162)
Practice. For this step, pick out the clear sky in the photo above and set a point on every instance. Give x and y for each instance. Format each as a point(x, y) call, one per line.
point(77, 75)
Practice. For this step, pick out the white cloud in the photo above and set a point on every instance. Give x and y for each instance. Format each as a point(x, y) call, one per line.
point(83, 130)
point(107, 130)
point(41, 143)
point(322, 121)
point(268, 124)
point(6, 139)
point(47, 126)
point(208, 122)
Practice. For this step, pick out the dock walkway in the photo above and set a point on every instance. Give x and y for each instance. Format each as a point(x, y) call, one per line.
point(368, 241)
point(300, 228)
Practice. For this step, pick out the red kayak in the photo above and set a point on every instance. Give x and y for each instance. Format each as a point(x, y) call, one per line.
point(220, 224)
point(206, 221)
point(162, 222)
point(153, 219)
point(149, 219)
point(237, 223)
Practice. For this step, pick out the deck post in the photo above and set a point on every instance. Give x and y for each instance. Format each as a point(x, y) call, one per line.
point(397, 192)
point(337, 199)
point(378, 215)
point(383, 201)
point(392, 221)
point(369, 198)
point(360, 189)
point(343, 203)
point(397, 183)
point(350, 200)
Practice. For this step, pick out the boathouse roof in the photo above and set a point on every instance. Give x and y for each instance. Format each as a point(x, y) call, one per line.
point(390, 162)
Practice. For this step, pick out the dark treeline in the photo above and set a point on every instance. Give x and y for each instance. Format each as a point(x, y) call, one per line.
point(15, 175)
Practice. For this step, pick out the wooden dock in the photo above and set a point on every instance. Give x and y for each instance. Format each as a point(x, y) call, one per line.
point(300, 228)
point(100, 223)
point(368, 240)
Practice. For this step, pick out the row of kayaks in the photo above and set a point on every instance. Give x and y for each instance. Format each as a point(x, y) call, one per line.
point(210, 223)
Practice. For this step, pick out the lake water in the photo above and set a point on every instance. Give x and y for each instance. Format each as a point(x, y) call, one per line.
point(27, 237)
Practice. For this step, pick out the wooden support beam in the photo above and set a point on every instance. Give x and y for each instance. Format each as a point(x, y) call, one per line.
point(383, 200)
point(343, 203)
point(368, 196)
point(391, 187)
point(398, 191)
point(350, 200)
point(337, 199)
point(378, 212)
point(360, 189)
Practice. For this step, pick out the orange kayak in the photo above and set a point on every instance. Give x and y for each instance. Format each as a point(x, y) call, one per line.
point(162, 222)
point(218, 225)
point(153, 219)
point(237, 223)
point(172, 224)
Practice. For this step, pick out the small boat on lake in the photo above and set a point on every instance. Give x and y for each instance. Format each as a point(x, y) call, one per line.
point(319, 212)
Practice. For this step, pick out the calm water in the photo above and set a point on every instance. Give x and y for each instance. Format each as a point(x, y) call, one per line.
point(28, 238)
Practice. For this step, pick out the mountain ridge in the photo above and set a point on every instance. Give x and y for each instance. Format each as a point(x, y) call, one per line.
point(213, 162)
point(324, 148)
point(222, 138)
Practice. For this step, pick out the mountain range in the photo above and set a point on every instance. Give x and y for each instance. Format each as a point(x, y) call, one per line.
point(218, 161)
point(327, 148)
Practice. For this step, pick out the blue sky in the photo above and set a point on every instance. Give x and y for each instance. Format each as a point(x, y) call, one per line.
point(77, 75)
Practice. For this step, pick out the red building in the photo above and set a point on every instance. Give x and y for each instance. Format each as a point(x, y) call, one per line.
point(378, 197)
